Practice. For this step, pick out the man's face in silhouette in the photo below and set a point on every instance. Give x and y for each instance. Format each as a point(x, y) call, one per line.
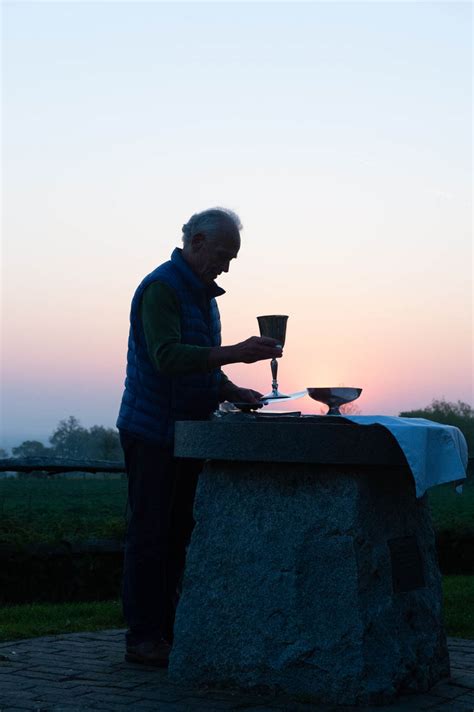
point(210, 256)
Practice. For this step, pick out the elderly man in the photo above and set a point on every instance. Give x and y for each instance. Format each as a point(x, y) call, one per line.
point(173, 373)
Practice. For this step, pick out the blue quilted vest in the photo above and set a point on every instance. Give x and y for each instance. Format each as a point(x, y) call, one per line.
point(153, 401)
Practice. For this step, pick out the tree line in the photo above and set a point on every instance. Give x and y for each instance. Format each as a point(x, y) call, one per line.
point(71, 440)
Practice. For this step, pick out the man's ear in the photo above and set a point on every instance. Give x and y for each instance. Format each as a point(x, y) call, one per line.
point(197, 241)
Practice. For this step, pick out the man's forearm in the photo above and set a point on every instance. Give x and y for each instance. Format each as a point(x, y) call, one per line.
point(175, 359)
point(221, 355)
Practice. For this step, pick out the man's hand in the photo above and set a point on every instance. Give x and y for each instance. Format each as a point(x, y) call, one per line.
point(256, 348)
point(230, 392)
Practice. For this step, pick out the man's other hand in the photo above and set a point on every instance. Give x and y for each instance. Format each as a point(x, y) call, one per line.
point(235, 394)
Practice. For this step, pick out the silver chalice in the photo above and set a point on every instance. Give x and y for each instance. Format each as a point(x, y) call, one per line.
point(334, 397)
point(274, 326)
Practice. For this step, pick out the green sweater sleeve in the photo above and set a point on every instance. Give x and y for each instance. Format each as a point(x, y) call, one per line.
point(160, 314)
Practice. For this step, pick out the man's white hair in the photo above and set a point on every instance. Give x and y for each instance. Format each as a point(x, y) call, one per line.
point(211, 223)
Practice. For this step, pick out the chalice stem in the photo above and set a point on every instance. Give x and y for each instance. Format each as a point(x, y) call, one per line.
point(274, 366)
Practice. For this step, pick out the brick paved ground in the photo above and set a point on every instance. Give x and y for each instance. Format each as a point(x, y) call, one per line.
point(86, 671)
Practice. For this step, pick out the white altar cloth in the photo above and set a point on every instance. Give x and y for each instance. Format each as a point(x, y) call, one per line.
point(436, 453)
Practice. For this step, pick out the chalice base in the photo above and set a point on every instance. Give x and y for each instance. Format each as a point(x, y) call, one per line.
point(275, 395)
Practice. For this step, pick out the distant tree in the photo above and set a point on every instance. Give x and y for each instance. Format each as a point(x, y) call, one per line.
point(350, 409)
point(3, 453)
point(69, 438)
point(30, 448)
point(346, 409)
point(459, 414)
point(103, 444)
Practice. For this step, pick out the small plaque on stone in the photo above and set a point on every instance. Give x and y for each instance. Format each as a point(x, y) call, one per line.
point(407, 564)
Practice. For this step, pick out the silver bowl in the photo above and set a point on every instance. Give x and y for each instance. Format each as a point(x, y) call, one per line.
point(334, 397)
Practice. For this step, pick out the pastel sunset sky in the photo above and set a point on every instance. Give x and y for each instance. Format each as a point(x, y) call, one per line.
point(340, 132)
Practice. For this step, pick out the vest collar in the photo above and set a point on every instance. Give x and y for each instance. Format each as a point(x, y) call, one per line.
point(210, 290)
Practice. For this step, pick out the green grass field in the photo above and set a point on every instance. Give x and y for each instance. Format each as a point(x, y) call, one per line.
point(46, 510)
point(32, 620)
point(458, 597)
point(451, 511)
point(37, 619)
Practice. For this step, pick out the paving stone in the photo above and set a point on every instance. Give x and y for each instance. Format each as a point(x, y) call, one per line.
point(16, 698)
point(65, 696)
point(93, 677)
point(448, 690)
point(12, 685)
point(127, 685)
point(464, 681)
point(40, 659)
point(160, 695)
point(418, 702)
point(468, 699)
point(91, 684)
point(147, 706)
point(67, 708)
point(15, 691)
point(108, 696)
point(5, 663)
point(29, 708)
point(37, 675)
point(203, 703)
point(265, 709)
point(17, 683)
point(184, 707)
point(99, 685)
point(113, 692)
point(62, 671)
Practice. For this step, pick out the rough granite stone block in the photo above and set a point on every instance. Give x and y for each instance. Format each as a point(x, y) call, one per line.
point(288, 584)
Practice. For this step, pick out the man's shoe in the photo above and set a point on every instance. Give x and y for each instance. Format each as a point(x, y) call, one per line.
point(149, 653)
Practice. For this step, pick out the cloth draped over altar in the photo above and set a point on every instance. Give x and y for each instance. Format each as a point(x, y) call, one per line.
point(436, 453)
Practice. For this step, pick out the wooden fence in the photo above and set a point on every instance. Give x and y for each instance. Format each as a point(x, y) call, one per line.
point(55, 465)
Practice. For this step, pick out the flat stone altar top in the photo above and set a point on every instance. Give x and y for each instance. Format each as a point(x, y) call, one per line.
point(311, 439)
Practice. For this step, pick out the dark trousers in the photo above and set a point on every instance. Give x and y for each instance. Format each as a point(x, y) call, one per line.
point(161, 492)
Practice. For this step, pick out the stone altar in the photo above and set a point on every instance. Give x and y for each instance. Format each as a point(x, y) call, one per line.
point(312, 568)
